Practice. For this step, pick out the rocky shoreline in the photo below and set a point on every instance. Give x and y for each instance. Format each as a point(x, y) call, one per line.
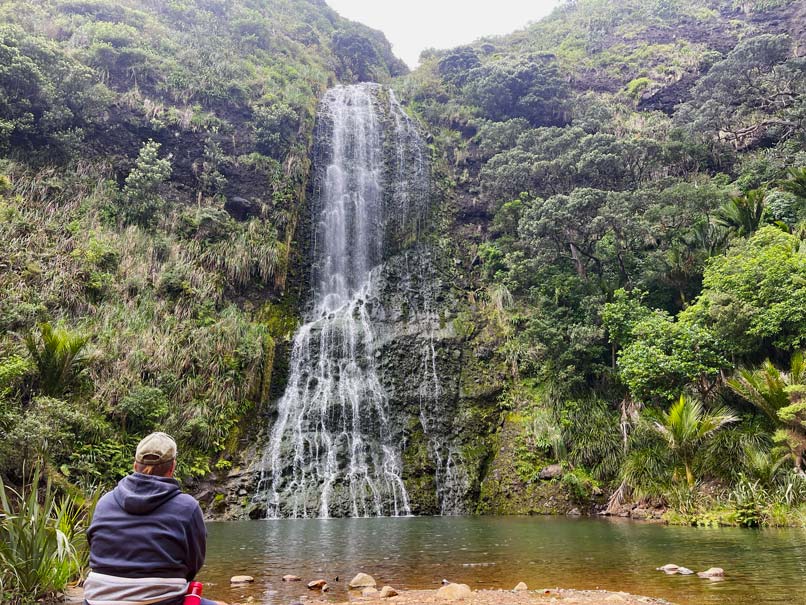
point(509, 597)
point(462, 595)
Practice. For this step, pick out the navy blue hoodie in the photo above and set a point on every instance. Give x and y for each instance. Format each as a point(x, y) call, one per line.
point(147, 528)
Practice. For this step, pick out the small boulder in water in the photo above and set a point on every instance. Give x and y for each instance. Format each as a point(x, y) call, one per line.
point(362, 580)
point(241, 579)
point(669, 568)
point(454, 592)
point(291, 578)
point(369, 591)
point(316, 584)
point(521, 587)
point(388, 591)
point(684, 571)
point(713, 572)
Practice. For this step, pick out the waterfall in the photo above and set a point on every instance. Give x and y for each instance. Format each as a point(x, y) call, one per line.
point(334, 449)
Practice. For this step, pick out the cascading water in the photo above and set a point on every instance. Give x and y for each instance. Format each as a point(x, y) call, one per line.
point(333, 449)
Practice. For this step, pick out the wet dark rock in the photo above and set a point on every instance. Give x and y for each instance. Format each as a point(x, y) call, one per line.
point(242, 209)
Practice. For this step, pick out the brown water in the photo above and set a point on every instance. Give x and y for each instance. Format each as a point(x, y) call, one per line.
point(762, 566)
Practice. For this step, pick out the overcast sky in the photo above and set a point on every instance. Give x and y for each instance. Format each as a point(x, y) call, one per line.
point(414, 25)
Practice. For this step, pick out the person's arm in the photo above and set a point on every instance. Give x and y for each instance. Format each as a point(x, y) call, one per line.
point(197, 543)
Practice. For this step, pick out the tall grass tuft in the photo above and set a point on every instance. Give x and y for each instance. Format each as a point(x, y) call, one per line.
point(43, 542)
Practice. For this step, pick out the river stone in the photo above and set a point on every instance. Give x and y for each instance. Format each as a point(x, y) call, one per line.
point(520, 587)
point(291, 578)
point(388, 591)
point(684, 571)
point(552, 471)
point(713, 572)
point(369, 591)
point(362, 580)
point(668, 568)
point(241, 579)
point(316, 584)
point(454, 592)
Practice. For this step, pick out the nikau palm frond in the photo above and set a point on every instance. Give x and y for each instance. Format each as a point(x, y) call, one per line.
point(686, 426)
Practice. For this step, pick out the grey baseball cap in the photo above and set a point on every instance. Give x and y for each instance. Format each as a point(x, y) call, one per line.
point(155, 449)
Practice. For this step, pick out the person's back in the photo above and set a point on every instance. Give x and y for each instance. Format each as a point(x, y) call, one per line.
point(147, 539)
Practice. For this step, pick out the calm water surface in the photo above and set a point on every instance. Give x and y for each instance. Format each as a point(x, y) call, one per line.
point(762, 566)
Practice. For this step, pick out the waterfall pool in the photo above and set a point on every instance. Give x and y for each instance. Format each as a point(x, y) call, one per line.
point(762, 566)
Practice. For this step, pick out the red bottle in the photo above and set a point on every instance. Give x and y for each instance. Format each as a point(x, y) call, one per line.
point(193, 595)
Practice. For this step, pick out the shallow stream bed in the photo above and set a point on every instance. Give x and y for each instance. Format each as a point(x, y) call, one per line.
point(762, 566)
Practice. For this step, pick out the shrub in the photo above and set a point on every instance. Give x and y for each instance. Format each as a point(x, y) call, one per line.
point(42, 542)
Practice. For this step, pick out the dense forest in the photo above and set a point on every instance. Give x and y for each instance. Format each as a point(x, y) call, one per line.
point(628, 190)
point(622, 205)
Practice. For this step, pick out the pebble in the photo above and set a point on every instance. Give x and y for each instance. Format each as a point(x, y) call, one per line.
point(241, 579)
point(291, 578)
point(388, 591)
point(316, 584)
point(369, 591)
point(521, 587)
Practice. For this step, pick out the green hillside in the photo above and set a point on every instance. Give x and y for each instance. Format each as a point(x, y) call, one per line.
point(156, 164)
point(627, 195)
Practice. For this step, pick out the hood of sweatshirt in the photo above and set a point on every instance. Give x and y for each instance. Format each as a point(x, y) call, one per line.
point(140, 494)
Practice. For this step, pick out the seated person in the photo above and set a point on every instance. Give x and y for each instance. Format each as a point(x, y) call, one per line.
point(147, 539)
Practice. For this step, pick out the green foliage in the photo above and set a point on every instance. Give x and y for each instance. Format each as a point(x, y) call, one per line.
point(593, 433)
point(142, 409)
point(755, 92)
point(42, 541)
point(686, 427)
point(48, 99)
point(780, 395)
point(754, 296)
point(141, 200)
point(743, 215)
point(60, 357)
point(664, 356)
point(528, 87)
point(579, 485)
point(275, 129)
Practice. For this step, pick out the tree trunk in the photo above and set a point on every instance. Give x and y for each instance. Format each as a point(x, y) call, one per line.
point(579, 262)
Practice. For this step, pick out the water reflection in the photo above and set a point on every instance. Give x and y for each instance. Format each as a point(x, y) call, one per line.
point(763, 567)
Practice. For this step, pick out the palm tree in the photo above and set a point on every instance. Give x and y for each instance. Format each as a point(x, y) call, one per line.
point(60, 357)
point(687, 426)
point(743, 214)
point(780, 396)
point(796, 183)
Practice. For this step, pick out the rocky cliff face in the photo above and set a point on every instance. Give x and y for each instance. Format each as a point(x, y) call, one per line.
point(375, 418)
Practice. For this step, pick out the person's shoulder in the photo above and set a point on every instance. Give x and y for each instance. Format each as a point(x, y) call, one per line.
point(187, 502)
point(106, 501)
